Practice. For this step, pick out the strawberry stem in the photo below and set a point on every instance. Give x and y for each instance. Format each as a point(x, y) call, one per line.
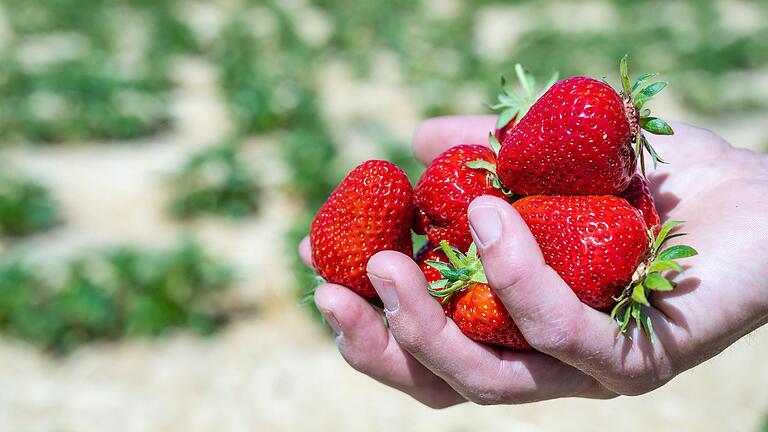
point(635, 97)
point(462, 271)
point(633, 301)
point(511, 105)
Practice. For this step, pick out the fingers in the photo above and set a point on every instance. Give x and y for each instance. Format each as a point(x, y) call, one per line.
point(436, 135)
point(305, 252)
point(366, 344)
point(549, 314)
point(479, 372)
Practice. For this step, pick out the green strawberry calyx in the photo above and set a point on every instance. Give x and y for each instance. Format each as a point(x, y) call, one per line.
point(635, 96)
point(493, 177)
point(512, 105)
point(633, 301)
point(459, 273)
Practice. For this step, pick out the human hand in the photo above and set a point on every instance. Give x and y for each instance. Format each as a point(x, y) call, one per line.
point(721, 193)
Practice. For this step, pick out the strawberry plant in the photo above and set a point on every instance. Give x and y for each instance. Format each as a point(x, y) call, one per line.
point(110, 295)
point(216, 181)
point(26, 206)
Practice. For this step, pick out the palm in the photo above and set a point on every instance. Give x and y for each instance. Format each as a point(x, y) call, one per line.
point(720, 193)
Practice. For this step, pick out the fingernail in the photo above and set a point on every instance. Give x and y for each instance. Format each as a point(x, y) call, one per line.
point(330, 318)
point(386, 290)
point(485, 225)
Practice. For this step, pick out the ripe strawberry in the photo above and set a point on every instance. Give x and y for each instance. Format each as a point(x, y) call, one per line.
point(470, 302)
point(595, 243)
point(602, 249)
point(577, 139)
point(638, 195)
point(370, 211)
point(511, 106)
point(446, 188)
point(428, 253)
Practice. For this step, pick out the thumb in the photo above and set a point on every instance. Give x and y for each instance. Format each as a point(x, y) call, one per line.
point(542, 305)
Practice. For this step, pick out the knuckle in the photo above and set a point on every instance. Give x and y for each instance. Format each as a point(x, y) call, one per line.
point(559, 336)
point(640, 380)
point(486, 396)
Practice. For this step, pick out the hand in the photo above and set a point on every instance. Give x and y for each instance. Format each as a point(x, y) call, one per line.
point(720, 192)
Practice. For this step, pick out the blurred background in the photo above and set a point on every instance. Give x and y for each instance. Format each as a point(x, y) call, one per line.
point(161, 159)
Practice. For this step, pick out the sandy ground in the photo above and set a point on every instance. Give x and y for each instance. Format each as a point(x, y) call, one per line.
point(277, 370)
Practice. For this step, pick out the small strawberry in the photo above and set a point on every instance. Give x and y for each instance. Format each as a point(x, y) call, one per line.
point(512, 106)
point(602, 249)
point(638, 195)
point(578, 138)
point(471, 303)
point(429, 253)
point(370, 211)
point(446, 188)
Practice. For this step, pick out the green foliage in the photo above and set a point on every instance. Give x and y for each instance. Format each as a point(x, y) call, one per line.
point(26, 206)
point(70, 71)
point(216, 181)
point(79, 99)
point(107, 296)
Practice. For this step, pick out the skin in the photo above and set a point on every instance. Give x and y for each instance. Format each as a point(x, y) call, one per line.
point(721, 193)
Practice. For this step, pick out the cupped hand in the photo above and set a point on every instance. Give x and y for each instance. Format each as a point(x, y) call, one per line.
point(720, 192)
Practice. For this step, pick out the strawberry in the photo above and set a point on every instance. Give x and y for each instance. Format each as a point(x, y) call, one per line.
point(446, 188)
point(638, 195)
point(602, 249)
point(578, 138)
point(370, 211)
point(428, 253)
point(471, 303)
point(512, 106)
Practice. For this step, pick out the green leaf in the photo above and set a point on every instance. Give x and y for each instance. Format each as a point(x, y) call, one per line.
point(677, 252)
point(495, 144)
point(482, 164)
point(505, 117)
point(624, 74)
point(653, 89)
point(618, 307)
point(657, 282)
point(442, 283)
point(638, 295)
point(438, 265)
point(656, 126)
point(647, 325)
point(525, 79)
point(662, 236)
point(641, 79)
point(661, 265)
point(654, 156)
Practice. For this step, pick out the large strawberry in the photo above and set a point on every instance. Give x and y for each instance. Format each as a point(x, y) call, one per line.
point(370, 211)
point(471, 303)
point(578, 138)
point(446, 188)
point(638, 195)
point(602, 249)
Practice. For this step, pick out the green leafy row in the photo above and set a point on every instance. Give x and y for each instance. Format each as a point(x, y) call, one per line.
point(110, 295)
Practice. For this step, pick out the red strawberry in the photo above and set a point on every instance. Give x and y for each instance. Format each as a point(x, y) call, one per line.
point(578, 138)
point(370, 211)
point(595, 243)
point(638, 195)
point(446, 188)
point(471, 303)
point(428, 253)
point(601, 248)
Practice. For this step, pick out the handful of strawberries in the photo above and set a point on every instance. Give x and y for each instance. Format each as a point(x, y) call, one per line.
point(567, 162)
